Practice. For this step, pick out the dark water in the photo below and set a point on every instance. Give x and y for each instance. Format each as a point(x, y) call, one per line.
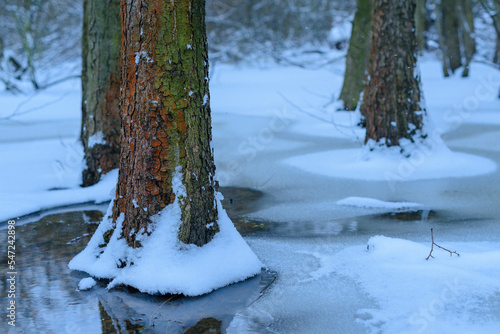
point(47, 300)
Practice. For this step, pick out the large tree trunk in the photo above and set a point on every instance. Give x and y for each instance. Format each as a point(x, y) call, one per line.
point(166, 124)
point(391, 100)
point(467, 33)
point(101, 79)
point(448, 23)
point(357, 55)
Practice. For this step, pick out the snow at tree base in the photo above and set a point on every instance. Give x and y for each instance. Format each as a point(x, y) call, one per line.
point(164, 264)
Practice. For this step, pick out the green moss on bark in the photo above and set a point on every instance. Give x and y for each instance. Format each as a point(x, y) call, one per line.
point(357, 55)
point(100, 87)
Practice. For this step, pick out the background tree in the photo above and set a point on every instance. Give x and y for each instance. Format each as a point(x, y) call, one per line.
point(421, 23)
point(101, 78)
point(492, 8)
point(357, 55)
point(455, 26)
point(243, 30)
point(465, 8)
point(43, 39)
point(496, 22)
point(391, 100)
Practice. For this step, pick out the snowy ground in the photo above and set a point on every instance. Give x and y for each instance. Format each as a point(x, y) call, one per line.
point(276, 130)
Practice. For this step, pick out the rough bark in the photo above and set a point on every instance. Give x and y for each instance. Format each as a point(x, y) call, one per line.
point(448, 23)
point(421, 23)
point(357, 55)
point(101, 80)
point(391, 100)
point(467, 33)
point(165, 116)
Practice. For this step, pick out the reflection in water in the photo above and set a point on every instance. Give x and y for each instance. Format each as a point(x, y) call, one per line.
point(206, 326)
point(48, 300)
point(411, 215)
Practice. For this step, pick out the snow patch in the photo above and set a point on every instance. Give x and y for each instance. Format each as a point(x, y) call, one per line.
point(390, 165)
point(86, 284)
point(142, 54)
point(433, 296)
point(96, 139)
point(364, 202)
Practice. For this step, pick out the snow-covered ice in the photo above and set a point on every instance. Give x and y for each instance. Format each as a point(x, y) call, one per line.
point(392, 166)
point(364, 202)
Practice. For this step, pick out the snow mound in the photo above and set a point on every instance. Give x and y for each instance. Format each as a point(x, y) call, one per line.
point(434, 296)
point(164, 264)
point(390, 165)
point(365, 202)
point(86, 284)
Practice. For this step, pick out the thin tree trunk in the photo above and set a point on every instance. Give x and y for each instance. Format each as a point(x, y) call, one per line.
point(421, 23)
point(357, 55)
point(101, 79)
point(447, 20)
point(391, 100)
point(467, 29)
point(166, 124)
point(496, 19)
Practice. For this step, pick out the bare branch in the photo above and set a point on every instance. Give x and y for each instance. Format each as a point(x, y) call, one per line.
point(432, 247)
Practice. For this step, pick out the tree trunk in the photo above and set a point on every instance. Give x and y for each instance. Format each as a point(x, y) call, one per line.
point(166, 125)
point(357, 55)
point(496, 22)
point(467, 29)
point(1, 49)
point(101, 79)
point(421, 23)
point(448, 22)
point(391, 100)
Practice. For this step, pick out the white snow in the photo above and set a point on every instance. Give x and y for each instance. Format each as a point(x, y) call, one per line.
point(96, 139)
point(142, 54)
point(43, 174)
point(178, 268)
point(364, 202)
point(415, 295)
point(389, 165)
point(86, 284)
point(341, 32)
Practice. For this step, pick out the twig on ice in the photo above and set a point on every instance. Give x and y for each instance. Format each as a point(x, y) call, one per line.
point(432, 247)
